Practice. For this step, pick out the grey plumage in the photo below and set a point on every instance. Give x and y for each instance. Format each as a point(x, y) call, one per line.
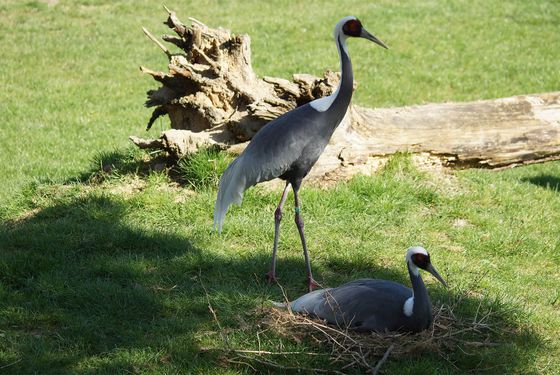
point(376, 305)
point(289, 146)
point(286, 147)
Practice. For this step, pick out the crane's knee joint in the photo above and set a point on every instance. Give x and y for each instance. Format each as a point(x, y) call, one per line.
point(299, 220)
point(278, 214)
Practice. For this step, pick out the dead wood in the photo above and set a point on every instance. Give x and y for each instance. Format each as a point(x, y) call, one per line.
point(212, 96)
point(211, 83)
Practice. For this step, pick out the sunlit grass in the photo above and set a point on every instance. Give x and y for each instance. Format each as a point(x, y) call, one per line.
point(97, 277)
point(203, 168)
point(71, 84)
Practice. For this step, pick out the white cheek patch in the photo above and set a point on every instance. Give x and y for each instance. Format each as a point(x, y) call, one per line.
point(410, 252)
point(414, 269)
point(415, 250)
point(408, 306)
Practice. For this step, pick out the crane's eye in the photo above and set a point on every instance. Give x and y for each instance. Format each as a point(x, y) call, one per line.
point(352, 28)
point(421, 260)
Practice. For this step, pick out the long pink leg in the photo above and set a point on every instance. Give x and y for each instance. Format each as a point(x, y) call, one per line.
point(271, 275)
point(311, 283)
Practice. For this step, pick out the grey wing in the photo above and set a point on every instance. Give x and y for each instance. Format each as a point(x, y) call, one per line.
point(254, 165)
point(271, 153)
point(232, 185)
point(277, 146)
point(366, 304)
point(311, 302)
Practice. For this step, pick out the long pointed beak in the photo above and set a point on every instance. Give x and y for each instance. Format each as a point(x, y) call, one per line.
point(373, 38)
point(433, 271)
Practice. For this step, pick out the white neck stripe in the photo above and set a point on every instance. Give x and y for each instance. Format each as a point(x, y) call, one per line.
point(408, 306)
point(323, 104)
point(413, 268)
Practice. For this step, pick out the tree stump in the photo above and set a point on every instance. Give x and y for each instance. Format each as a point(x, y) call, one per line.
point(212, 96)
point(211, 83)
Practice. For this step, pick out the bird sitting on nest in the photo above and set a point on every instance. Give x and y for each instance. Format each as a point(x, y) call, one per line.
point(376, 305)
point(289, 146)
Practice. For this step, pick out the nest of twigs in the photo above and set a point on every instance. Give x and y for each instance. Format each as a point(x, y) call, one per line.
point(346, 349)
point(352, 349)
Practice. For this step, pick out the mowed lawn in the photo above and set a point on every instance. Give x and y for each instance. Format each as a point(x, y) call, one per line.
point(108, 266)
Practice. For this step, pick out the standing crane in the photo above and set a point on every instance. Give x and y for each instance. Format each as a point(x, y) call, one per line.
point(376, 305)
point(289, 146)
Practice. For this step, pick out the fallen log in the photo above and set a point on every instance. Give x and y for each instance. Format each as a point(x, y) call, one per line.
point(212, 96)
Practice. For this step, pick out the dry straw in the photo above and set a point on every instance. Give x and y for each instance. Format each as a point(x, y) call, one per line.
point(345, 349)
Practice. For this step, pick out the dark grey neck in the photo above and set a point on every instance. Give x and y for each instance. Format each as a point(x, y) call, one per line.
point(342, 101)
point(422, 302)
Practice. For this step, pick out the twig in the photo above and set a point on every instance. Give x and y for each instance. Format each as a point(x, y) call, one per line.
point(323, 328)
point(383, 359)
point(157, 42)
point(10, 364)
point(206, 58)
point(224, 336)
point(356, 360)
point(194, 20)
point(282, 367)
point(242, 363)
point(263, 352)
point(158, 288)
point(449, 361)
point(286, 300)
point(477, 310)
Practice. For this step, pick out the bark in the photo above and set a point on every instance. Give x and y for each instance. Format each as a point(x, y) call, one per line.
point(212, 96)
point(211, 83)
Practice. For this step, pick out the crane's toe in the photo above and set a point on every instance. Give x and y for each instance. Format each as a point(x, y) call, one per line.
point(271, 277)
point(312, 284)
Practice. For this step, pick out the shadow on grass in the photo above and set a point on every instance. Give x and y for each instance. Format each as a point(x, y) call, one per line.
point(122, 162)
point(545, 181)
point(84, 290)
point(198, 170)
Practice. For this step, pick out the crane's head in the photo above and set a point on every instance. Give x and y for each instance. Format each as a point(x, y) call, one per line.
point(352, 27)
point(417, 257)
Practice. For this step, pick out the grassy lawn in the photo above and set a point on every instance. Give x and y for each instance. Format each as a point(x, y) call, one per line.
point(107, 265)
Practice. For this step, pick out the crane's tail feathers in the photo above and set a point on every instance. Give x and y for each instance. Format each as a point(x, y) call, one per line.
point(309, 301)
point(232, 186)
point(280, 305)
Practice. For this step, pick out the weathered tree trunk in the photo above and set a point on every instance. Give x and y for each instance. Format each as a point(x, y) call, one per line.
point(212, 96)
point(486, 134)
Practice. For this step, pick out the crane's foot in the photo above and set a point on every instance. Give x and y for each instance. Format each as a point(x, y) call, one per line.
point(312, 284)
point(271, 277)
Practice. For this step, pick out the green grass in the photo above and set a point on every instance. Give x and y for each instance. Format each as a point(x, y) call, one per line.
point(97, 278)
point(103, 256)
point(71, 86)
point(204, 168)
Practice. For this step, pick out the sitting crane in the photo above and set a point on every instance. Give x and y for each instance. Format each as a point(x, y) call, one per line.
point(376, 305)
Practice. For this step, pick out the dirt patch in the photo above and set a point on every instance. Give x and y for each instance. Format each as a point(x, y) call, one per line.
point(51, 3)
point(441, 177)
point(129, 186)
